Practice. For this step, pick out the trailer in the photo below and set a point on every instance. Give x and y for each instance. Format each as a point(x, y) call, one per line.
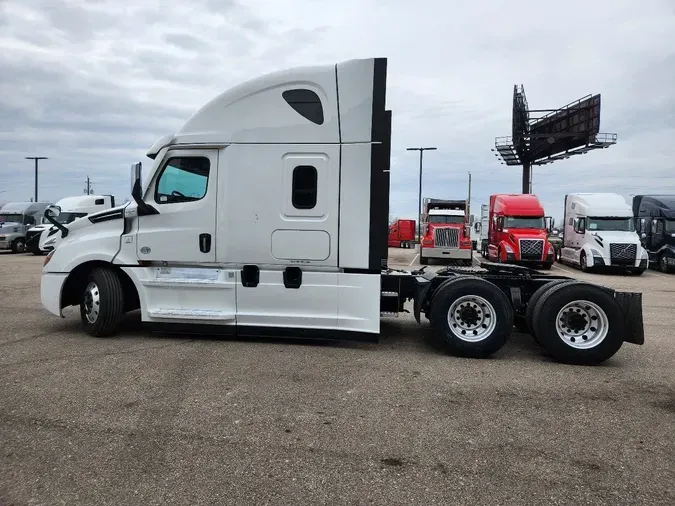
point(402, 234)
point(250, 229)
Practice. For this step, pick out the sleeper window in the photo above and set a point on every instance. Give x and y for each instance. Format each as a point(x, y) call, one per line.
point(183, 179)
point(306, 103)
point(304, 190)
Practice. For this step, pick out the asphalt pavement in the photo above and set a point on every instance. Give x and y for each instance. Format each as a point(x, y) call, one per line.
point(147, 418)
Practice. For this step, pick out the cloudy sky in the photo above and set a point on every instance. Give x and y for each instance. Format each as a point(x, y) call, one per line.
point(92, 84)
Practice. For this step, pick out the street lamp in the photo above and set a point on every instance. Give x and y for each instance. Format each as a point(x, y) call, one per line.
point(419, 200)
point(36, 158)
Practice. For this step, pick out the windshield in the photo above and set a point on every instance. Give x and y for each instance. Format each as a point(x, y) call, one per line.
point(524, 222)
point(458, 220)
point(65, 218)
point(611, 224)
point(11, 217)
point(670, 226)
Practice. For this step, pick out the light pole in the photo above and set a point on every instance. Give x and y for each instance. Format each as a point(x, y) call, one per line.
point(419, 200)
point(36, 158)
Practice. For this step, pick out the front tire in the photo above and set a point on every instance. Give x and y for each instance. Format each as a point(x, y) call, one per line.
point(102, 303)
point(19, 246)
point(583, 263)
point(471, 316)
point(663, 264)
point(423, 260)
point(579, 323)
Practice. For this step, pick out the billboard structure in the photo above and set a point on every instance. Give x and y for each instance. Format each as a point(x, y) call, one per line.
point(542, 136)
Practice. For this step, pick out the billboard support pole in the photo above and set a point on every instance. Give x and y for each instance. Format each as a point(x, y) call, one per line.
point(527, 177)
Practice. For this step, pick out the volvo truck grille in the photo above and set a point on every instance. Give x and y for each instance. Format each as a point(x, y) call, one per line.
point(31, 235)
point(446, 237)
point(622, 254)
point(531, 249)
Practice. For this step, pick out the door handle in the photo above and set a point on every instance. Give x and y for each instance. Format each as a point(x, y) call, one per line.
point(204, 243)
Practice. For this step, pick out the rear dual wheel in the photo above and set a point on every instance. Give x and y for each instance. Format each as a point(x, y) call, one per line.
point(576, 322)
point(471, 316)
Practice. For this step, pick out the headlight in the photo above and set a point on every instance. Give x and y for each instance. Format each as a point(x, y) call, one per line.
point(596, 253)
point(508, 248)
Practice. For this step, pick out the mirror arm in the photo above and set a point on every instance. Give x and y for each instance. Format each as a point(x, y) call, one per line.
point(143, 208)
point(64, 230)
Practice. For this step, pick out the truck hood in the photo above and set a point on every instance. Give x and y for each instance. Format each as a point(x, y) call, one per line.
point(8, 227)
point(40, 228)
point(530, 233)
point(91, 221)
point(612, 236)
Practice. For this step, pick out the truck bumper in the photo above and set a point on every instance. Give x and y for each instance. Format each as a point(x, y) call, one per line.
point(51, 286)
point(449, 253)
point(5, 245)
point(603, 263)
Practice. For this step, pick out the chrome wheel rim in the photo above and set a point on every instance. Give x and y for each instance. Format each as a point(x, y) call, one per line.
point(471, 318)
point(92, 302)
point(582, 324)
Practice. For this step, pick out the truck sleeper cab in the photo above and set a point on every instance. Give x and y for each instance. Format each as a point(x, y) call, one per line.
point(599, 234)
point(402, 234)
point(283, 231)
point(655, 222)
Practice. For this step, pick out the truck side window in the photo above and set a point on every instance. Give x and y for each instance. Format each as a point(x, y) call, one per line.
point(304, 190)
point(183, 179)
point(306, 103)
point(29, 220)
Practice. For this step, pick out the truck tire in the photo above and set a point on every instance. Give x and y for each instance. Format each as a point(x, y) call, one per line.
point(19, 245)
point(663, 263)
point(471, 316)
point(578, 323)
point(102, 303)
point(529, 310)
point(583, 265)
point(423, 261)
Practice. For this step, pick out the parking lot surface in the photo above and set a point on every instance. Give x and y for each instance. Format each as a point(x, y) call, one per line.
point(156, 419)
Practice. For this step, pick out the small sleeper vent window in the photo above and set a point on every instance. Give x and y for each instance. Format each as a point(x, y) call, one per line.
point(99, 202)
point(304, 187)
point(306, 103)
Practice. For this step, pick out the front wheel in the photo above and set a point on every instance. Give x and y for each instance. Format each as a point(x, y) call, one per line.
point(19, 246)
point(102, 303)
point(471, 316)
point(578, 323)
point(663, 263)
point(423, 260)
point(583, 263)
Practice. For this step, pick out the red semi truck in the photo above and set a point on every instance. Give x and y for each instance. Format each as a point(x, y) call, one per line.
point(519, 231)
point(402, 234)
point(446, 232)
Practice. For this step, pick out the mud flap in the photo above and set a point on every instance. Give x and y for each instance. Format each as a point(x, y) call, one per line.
point(422, 287)
point(631, 306)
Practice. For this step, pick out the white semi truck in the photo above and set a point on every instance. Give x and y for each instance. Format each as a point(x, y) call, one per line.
point(599, 234)
point(72, 208)
point(266, 213)
point(15, 220)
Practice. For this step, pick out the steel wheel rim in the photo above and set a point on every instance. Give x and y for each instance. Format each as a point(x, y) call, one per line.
point(664, 264)
point(471, 318)
point(92, 302)
point(582, 324)
point(20, 246)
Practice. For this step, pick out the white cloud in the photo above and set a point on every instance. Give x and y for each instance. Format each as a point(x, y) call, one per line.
point(92, 84)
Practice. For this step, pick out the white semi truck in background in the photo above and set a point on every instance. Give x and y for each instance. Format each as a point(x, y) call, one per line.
point(599, 234)
point(15, 220)
point(267, 212)
point(72, 208)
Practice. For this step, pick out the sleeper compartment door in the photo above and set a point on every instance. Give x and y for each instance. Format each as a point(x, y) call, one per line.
point(184, 191)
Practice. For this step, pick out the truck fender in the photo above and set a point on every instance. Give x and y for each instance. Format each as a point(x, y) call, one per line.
point(586, 248)
point(422, 287)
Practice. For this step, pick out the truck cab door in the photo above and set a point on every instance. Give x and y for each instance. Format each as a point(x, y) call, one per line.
point(184, 192)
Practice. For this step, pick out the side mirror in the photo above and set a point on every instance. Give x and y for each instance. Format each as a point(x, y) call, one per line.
point(136, 174)
point(643, 235)
point(476, 226)
point(51, 213)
